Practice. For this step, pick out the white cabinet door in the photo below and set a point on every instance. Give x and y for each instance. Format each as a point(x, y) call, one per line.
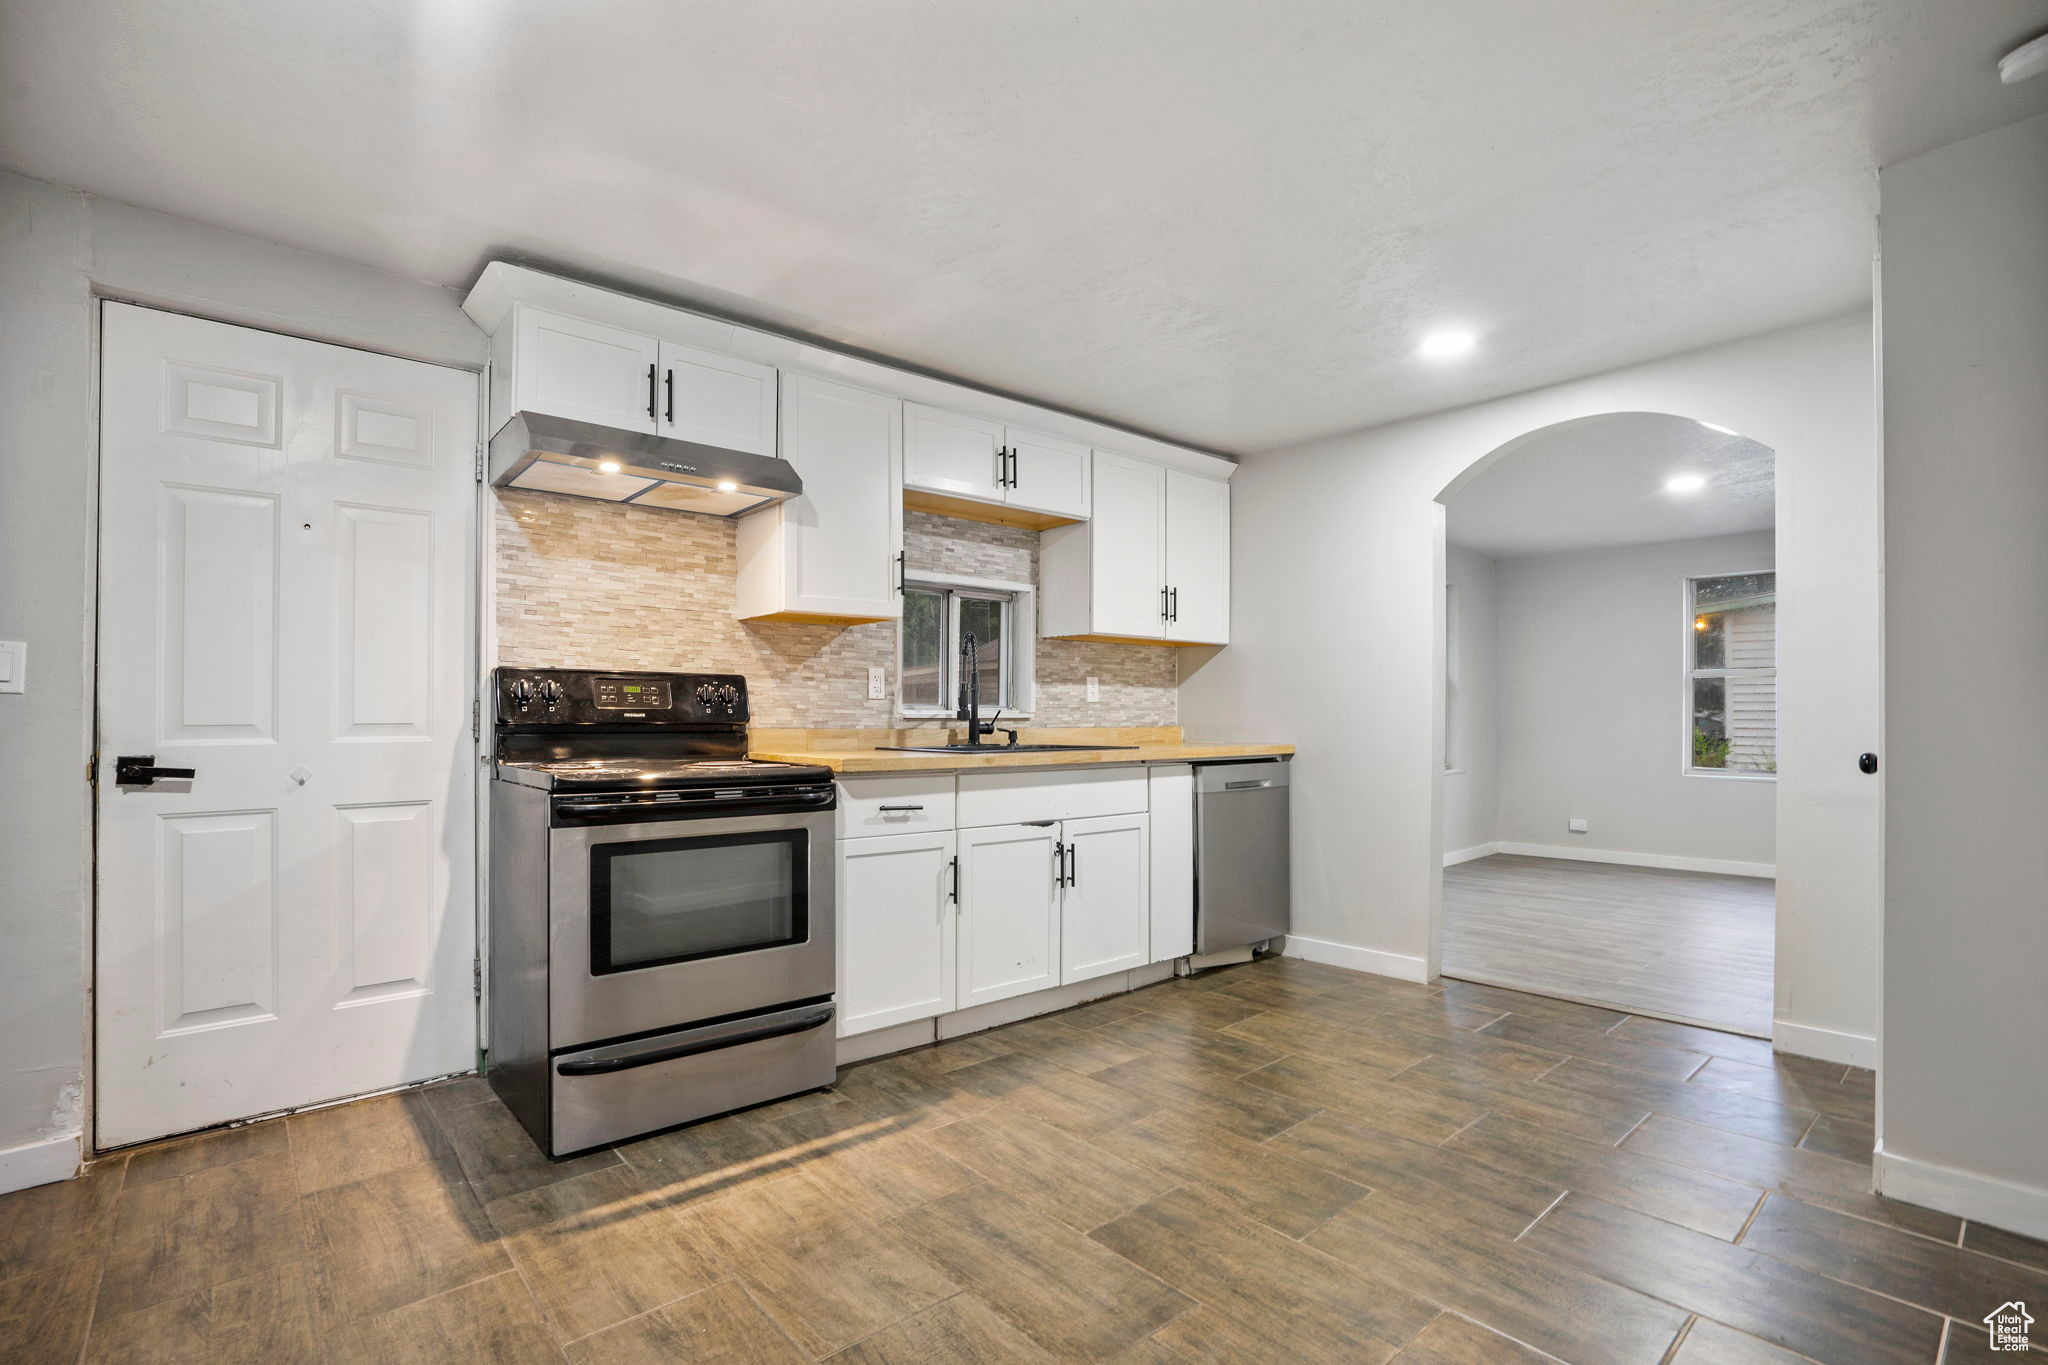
point(948, 452)
point(1197, 558)
point(1009, 913)
point(1127, 546)
point(1104, 911)
point(1048, 473)
point(1173, 860)
point(568, 367)
point(288, 535)
point(717, 400)
point(896, 929)
point(831, 552)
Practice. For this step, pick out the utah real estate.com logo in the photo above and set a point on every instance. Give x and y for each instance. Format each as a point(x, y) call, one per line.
point(2008, 1323)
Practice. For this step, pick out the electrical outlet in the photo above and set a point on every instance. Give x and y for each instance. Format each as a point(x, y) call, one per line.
point(878, 684)
point(1578, 826)
point(1095, 689)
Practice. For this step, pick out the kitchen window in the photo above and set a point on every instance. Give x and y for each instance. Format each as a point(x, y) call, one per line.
point(939, 610)
point(1731, 680)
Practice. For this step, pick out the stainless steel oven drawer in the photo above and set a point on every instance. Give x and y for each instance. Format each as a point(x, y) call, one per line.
point(606, 1094)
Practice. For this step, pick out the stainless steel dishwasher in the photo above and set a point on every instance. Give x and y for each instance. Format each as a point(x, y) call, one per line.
point(1241, 878)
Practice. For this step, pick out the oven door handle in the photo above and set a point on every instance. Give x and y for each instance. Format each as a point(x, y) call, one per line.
point(599, 1066)
point(778, 803)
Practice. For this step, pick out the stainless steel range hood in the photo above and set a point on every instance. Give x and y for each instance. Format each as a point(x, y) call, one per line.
point(585, 460)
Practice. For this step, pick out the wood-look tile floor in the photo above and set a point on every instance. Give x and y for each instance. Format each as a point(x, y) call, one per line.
point(1690, 946)
point(1278, 1162)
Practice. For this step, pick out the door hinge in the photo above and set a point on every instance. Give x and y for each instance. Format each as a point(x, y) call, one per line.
point(476, 977)
point(479, 461)
point(476, 720)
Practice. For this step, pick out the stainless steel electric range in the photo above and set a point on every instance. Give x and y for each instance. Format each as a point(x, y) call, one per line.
point(661, 931)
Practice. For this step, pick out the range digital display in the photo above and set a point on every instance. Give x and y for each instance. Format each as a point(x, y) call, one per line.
point(630, 694)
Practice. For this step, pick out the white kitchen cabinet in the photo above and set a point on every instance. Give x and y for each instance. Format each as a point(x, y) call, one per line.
point(952, 453)
point(1172, 884)
point(1151, 563)
point(569, 367)
point(1020, 476)
point(830, 553)
point(1197, 559)
point(1009, 913)
point(1104, 920)
point(716, 400)
point(896, 930)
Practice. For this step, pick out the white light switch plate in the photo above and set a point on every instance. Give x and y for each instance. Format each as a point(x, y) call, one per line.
point(13, 665)
point(1095, 689)
point(877, 684)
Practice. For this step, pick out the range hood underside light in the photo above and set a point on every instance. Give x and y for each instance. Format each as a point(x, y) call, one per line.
point(557, 455)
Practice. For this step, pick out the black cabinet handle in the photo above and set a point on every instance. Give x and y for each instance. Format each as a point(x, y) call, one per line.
point(955, 895)
point(671, 397)
point(1073, 864)
point(598, 1066)
point(1866, 764)
point(1162, 605)
point(653, 408)
point(902, 571)
point(139, 770)
point(1013, 467)
point(1173, 597)
point(1059, 864)
point(890, 808)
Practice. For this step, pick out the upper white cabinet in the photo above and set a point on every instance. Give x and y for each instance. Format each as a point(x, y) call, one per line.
point(1039, 479)
point(717, 400)
point(569, 366)
point(830, 553)
point(1151, 563)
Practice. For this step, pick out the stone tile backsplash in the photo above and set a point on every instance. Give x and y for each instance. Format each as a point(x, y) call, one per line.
point(585, 584)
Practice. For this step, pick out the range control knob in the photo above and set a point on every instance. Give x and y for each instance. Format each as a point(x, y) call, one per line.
point(729, 697)
point(707, 695)
point(551, 692)
point(522, 692)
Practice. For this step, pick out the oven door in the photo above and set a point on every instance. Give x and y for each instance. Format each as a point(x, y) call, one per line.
point(667, 922)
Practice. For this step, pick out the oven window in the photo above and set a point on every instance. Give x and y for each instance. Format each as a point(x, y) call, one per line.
point(671, 900)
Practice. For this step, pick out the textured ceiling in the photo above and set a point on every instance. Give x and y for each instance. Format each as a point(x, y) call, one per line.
point(1225, 222)
point(1600, 481)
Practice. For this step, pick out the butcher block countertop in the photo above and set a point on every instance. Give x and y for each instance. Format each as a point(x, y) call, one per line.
point(862, 751)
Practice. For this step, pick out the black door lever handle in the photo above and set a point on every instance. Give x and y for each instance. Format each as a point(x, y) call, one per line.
point(1866, 763)
point(139, 770)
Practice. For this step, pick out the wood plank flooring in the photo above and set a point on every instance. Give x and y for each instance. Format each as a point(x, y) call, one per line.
point(1276, 1162)
point(1687, 946)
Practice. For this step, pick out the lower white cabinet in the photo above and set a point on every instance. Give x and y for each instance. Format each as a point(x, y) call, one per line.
point(897, 929)
point(1009, 912)
point(1104, 906)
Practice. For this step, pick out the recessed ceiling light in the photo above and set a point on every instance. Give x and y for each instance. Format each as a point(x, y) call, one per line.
point(728, 486)
point(1716, 426)
point(1685, 483)
point(1447, 345)
point(607, 466)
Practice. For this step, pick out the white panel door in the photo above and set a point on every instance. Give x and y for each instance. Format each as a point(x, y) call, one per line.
point(568, 367)
point(1105, 910)
point(719, 400)
point(843, 534)
point(1049, 473)
point(287, 560)
point(949, 452)
point(1197, 558)
point(896, 929)
point(1127, 548)
point(1009, 913)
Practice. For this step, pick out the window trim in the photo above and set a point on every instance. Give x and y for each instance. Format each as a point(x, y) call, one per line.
point(1023, 629)
point(1686, 674)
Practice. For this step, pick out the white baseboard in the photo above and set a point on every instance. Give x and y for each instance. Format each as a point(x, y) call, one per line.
point(1804, 1040)
point(883, 1041)
point(922, 1032)
point(39, 1163)
point(1979, 1198)
point(1466, 855)
point(1725, 866)
point(1398, 965)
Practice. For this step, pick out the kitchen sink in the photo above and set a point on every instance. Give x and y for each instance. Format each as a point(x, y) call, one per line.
point(996, 748)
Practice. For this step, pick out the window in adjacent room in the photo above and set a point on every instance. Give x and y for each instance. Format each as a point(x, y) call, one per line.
point(1731, 683)
point(939, 610)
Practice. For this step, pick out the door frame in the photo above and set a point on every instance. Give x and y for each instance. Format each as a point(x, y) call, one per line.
point(482, 640)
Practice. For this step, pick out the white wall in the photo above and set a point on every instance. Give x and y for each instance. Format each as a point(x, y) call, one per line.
point(60, 249)
point(1356, 595)
point(1964, 1105)
point(1472, 723)
point(1594, 714)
